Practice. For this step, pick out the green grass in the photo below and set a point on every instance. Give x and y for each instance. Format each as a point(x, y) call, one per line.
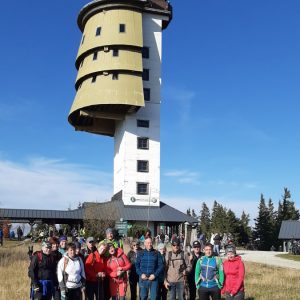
point(289, 256)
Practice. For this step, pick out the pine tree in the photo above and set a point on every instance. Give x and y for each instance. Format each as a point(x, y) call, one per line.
point(193, 214)
point(264, 229)
point(188, 212)
point(204, 219)
point(244, 229)
point(232, 225)
point(218, 218)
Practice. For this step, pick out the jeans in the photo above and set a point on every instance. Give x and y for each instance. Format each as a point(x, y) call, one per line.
point(217, 250)
point(205, 293)
point(176, 288)
point(146, 286)
point(239, 296)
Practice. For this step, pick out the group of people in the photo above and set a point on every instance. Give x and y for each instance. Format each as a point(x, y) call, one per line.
point(61, 271)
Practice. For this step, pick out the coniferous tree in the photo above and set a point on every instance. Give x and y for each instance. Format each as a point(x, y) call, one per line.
point(204, 219)
point(244, 229)
point(218, 218)
point(188, 212)
point(193, 214)
point(263, 231)
point(232, 225)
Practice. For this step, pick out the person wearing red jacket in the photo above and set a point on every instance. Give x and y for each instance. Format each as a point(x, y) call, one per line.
point(117, 266)
point(234, 271)
point(95, 270)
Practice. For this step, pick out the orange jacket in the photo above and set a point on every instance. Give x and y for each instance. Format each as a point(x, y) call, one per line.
point(94, 264)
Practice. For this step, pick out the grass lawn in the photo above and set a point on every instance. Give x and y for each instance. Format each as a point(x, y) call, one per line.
point(289, 256)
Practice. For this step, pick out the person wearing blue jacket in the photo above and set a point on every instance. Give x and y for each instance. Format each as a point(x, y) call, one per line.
point(149, 265)
point(209, 275)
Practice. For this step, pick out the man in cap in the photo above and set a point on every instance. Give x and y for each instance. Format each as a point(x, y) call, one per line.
point(90, 243)
point(176, 265)
point(42, 272)
point(192, 261)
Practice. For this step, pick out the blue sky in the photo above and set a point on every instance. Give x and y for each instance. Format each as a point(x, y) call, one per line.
point(230, 106)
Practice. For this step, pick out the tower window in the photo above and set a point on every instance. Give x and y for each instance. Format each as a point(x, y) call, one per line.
point(81, 64)
point(145, 74)
point(143, 143)
point(146, 94)
point(143, 123)
point(95, 55)
point(115, 52)
point(143, 166)
point(94, 79)
point(98, 31)
point(145, 52)
point(122, 28)
point(142, 188)
point(82, 41)
point(115, 76)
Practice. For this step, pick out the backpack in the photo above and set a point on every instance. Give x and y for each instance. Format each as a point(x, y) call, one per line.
point(38, 254)
point(170, 260)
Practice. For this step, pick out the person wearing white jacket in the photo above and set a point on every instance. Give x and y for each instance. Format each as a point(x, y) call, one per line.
point(71, 275)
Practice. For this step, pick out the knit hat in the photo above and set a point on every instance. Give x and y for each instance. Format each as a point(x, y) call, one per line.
point(109, 230)
point(175, 242)
point(63, 238)
point(231, 248)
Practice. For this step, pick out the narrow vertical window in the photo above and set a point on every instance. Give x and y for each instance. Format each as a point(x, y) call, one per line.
point(94, 79)
point(122, 28)
point(82, 41)
point(115, 76)
point(146, 94)
point(145, 74)
point(98, 31)
point(95, 55)
point(145, 52)
point(115, 52)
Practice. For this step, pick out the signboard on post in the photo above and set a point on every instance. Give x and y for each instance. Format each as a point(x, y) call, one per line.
point(121, 227)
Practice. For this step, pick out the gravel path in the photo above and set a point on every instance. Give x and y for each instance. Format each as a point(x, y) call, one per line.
point(268, 258)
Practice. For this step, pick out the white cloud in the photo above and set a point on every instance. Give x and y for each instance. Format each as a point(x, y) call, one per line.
point(184, 176)
point(51, 184)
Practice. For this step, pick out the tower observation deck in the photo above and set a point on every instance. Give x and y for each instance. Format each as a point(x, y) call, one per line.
point(118, 88)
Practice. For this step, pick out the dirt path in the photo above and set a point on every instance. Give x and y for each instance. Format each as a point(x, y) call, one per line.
point(269, 258)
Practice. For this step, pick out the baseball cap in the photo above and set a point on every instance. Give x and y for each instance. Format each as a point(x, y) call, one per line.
point(175, 242)
point(196, 244)
point(90, 239)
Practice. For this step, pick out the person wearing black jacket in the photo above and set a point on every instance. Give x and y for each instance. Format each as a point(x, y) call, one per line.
point(42, 272)
point(56, 255)
point(193, 258)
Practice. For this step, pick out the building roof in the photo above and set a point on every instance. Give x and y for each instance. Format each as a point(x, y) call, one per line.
point(34, 214)
point(111, 210)
point(116, 210)
point(289, 230)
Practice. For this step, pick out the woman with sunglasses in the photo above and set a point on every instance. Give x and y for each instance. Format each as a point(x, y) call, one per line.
point(133, 276)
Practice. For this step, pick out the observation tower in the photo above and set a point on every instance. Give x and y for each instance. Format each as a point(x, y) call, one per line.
point(118, 89)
